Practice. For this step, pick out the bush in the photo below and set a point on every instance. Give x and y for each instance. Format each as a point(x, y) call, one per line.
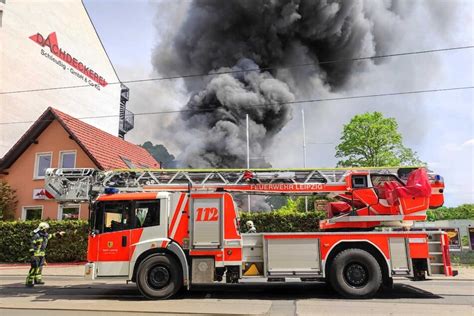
point(464, 211)
point(8, 201)
point(462, 258)
point(283, 221)
point(297, 203)
point(15, 241)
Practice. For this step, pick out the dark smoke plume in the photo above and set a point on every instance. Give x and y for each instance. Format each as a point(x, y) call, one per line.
point(217, 36)
point(217, 114)
point(219, 33)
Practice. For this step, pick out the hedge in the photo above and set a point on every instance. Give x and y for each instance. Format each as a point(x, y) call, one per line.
point(15, 241)
point(15, 236)
point(72, 247)
point(463, 257)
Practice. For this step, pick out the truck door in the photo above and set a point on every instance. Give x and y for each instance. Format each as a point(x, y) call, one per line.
point(206, 221)
point(113, 241)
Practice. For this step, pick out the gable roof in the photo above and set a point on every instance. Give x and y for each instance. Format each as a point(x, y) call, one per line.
point(105, 150)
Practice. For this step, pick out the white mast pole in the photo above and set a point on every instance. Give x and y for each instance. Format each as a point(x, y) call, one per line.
point(304, 154)
point(248, 156)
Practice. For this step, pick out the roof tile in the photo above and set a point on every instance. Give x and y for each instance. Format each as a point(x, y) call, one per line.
point(103, 147)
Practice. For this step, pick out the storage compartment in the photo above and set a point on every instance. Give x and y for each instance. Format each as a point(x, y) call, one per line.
point(207, 222)
point(293, 256)
point(399, 256)
point(252, 255)
point(252, 248)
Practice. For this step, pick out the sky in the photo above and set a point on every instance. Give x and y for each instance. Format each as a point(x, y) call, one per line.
point(438, 126)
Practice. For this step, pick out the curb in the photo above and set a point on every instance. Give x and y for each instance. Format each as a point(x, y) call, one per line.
point(130, 311)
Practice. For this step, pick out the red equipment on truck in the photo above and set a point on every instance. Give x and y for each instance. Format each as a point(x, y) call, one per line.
point(168, 229)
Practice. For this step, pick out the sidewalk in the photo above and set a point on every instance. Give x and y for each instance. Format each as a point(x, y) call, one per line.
point(66, 290)
point(465, 272)
point(75, 269)
point(13, 265)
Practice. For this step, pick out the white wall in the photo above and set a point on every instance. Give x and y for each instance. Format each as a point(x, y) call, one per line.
point(23, 67)
point(462, 224)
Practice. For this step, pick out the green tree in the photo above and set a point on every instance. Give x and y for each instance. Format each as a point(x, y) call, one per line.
point(301, 204)
point(371, 140)
point(161, 154)
point(276, 202)
point(8, 201)
point(464, 211)
point(297, 203)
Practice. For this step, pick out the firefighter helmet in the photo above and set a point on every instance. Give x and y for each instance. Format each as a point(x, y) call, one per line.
point(43, 226)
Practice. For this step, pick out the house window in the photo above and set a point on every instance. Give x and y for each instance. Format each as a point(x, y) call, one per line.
point(30, 213)
point(67, 159)
point(128, 162)
point(69, 211)
point(43, 162)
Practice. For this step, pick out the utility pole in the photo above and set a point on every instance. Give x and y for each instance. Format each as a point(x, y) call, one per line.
point(248, 156)
point(304, 154)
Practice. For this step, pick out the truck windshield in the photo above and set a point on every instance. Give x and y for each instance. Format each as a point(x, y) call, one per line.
point(112, 216)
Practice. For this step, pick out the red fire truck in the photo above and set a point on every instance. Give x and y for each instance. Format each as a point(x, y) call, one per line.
point(169, 229)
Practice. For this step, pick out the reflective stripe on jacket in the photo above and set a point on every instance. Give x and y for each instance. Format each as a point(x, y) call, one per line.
point(39, 242)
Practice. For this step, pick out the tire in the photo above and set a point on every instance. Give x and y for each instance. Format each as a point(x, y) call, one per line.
point(355, 273)
point(159, 277)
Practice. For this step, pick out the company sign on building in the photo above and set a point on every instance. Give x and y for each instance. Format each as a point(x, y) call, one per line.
point(53, 57)
point(67, 62)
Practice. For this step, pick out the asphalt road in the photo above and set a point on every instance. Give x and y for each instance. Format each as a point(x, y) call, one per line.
point(71, 295)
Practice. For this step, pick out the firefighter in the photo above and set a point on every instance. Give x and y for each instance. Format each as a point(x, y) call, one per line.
point(39, 242)
point(251, 229)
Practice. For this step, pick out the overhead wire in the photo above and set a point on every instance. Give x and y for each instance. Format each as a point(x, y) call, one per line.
point(248, 70)
point(375, 95)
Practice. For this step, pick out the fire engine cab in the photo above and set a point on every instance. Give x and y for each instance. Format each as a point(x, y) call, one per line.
point(169, 229)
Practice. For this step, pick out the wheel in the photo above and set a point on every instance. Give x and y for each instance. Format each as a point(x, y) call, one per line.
point(159, 277)
point(419, 275)
point(419, 269)
point(355, 273)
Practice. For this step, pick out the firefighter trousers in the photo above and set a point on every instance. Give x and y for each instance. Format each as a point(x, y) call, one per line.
point(34, 275)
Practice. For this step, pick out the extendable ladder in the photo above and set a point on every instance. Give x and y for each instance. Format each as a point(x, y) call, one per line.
point(80, 184)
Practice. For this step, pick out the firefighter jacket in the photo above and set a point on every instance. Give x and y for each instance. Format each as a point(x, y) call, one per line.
point(39, 242)
point(252, 230)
